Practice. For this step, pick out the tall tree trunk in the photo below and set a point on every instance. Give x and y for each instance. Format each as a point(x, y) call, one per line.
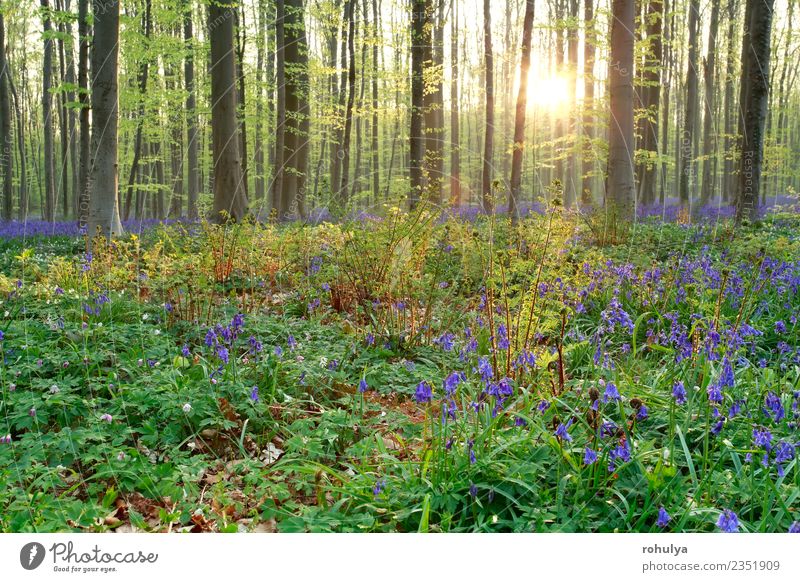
point(571, 73)
point(620, 188)
point(376, 43)
point(730, 104)
point(753, 99)
point(344, 152)
point(690, 111)
point(455, 138)
point(104, 181)
point(83, 116)
point(241, 96)
point(6, 154)
point(276, 185)
point(519, 116)
point(651, 90)
point(295, 150)
point(667, 67)
point(144, 68)
point(419, 21)
point(260, 191)
point(709, 133)
point(488, 137)
point(434, 102)
point(230, 200)
point(47, 115)
point(589, 48)
point(192, 170)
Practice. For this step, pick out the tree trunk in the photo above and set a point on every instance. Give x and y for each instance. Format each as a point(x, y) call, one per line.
point(192, 171)
point(589, 47)
point(47, 115)
point(103, 197)
point(651, 90)
point(376, 43)
point(340, 189)
point(687, 162)
point(276, 185)
point(620, 188)
point(455, 138)
point(6, 154)
point(419, 18)
point(709, 132)
point(488, 137)
point(83, 116)
point(230, 200)
point(519, 116)
point(241, 109)
point(144, 68)
point(295, 150)
point(260, 184)
point(730, 74)
point(753, 98)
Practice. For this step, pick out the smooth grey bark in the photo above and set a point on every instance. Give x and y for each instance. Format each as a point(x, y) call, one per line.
point(375, 163)
point(47, 115)
point(753, 100)
point(192, 170)
point(686, 142)
point(488, 136)
point(295, 150)
point(709, 132)
point(419, 17)
point(519, 114)
point(730, 103)
point(455, 137)
point(589, 48)
point(103, 177)
point(651, 92)
point(620, 188)
point(83, 116)
point(6, 154)
point(276, 186)
point(230, 200)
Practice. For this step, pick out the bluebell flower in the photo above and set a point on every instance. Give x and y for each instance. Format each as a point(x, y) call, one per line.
point(424, 393)
point(589, 456)
point(780, 327)
point(291, 342)
point(185, 351)
point(773, 407)
point(254, 394)
point(679, 393)
point(728, 521)
point(663, 518)
point(502, 337)
point(795, 527)
point(278, 351)
point(784, 452)
point(611, 393)
point(542, 406)
point(473, 490)
point(561, 431)
point(380, 484)
point(452, 381)
point(362, 386)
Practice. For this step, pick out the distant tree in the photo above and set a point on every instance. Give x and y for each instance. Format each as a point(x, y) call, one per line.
point(193, 170)
point(419, 17)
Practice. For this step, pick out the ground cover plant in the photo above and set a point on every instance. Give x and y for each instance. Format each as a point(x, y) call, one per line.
point(413, 372)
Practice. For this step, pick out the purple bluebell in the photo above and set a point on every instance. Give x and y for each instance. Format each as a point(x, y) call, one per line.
point(728, 521)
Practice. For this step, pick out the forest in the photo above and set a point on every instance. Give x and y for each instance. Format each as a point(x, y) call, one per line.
point(399, 265)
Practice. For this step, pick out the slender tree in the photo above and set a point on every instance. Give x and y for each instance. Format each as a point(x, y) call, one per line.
point(192, 170)
point(521, 108)
point(488, 136)
point(7, 153)
point(709, 131)
point(47, 114)
point(419, 17)
point(83, 115)
point(455, 129)
point(651, 92)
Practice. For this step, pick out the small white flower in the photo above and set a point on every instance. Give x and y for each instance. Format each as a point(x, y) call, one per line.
point(121, 456)
point(187, 408)
point(145, 317)
point(300, 358)
point(157, 332)
point(323, 361)
point(54, 389)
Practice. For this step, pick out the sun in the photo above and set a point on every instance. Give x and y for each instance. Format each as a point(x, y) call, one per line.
point(548, 92)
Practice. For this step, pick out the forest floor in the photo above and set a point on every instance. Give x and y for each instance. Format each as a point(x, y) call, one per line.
point(403, 374)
